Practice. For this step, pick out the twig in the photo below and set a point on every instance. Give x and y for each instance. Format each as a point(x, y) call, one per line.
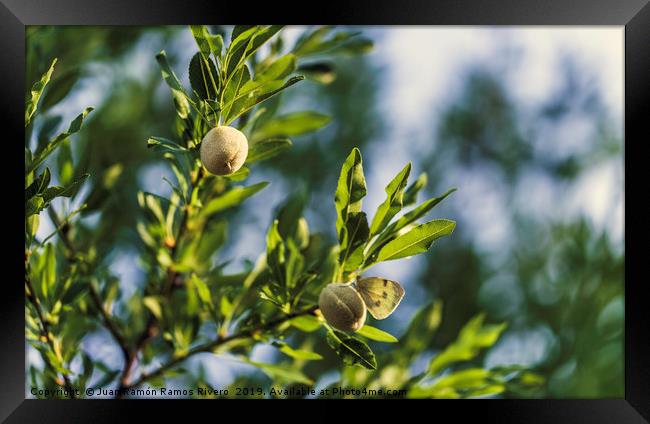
point(108, 323)
point(66, 221)
point(210, 346)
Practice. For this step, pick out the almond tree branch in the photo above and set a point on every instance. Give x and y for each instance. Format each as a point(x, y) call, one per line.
point(210, 346)
point(108, 322)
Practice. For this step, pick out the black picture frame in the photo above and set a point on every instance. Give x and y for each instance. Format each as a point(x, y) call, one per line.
point(634, 15)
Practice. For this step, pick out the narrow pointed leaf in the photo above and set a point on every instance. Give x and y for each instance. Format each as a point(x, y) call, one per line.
point(357, 234)
point(231, 198)
point(204, 77)
point(351, 189)
point(267, 149)
point(181, 100)
point(411, 193)
point(165, 145)
point(416, 241)
point(268, 90)
point(58, 191)
point(393, 203)
point(300, 354)
point(36, 92)
point(376, 334)
point(293, 124)
point(307, 323)
point(282, 374)
point(238, 45)
point(416, 213)
point(202, 38)
point(351, 350)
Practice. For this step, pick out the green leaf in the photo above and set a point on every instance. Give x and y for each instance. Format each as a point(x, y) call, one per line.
point(241, 90)
point(204, 77)
point(258, 96)
point(281, 374)
point(153, 304)
point(266, 149)
point(225, 306)
point(351, 350)
point(33, 206)
point(356, 46)
point(152, 204)
point(75, 126)
point(342, 42)
point(306, 323)
point(238, 30)
point(180, 165)
point(301, 234)
point(232, 88)
point(297, 353)
point(472, 338)
point(28, 158)
point(276, 70)
point(239, 42)
point(260, 38)
point(275, 253)
point(181, 100)
point(357, 234)
point(240, 175)
point(290, 214)
point(471, 382)
point(393, 203)
point(31, 226)
point(216, 45)
point(36, 92)
point(246, 41)
point(294, 264)
point(202, 290)
point(417, 240)
point(58, 191)
point(271, 90)
point(424, 323)
point(263, 114)
point(411, 193)
point(415, 214)
point(212, 238)
point(203, 39)
point(309, 42)
point(38, 185)
point(465, 379)
point(231, 198)
point(351, 189)
point(165, 145)
point(64, 163)
point(292, 125)
point(47, 270)
point(376, 334)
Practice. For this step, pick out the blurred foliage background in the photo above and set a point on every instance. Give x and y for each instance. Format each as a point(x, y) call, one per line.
point(534, 245)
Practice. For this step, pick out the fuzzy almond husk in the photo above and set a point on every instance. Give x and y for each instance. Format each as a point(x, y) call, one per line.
point(224, 150)
point(342, 307)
